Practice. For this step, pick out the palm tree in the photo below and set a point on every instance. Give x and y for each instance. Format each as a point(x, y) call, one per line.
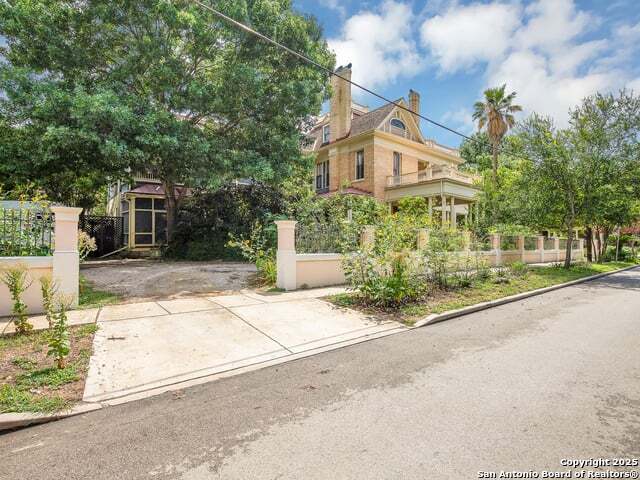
point(496, 114)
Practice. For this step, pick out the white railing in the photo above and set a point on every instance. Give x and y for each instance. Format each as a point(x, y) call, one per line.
point(145, 176)
point(431, 173)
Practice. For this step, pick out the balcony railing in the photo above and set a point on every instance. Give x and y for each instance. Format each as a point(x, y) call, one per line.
point(432, 173)
point(143, 176)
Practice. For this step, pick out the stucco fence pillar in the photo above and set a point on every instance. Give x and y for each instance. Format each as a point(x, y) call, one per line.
point(286, 255)
point(540, 247)
point(495, 246)
point(66, 259)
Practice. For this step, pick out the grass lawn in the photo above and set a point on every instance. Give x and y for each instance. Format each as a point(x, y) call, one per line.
point(90, 297)
point(439, 301)
point(29, 381)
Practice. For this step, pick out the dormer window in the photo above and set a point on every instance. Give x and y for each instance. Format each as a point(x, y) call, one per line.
point(325, 134)
point(397, 123)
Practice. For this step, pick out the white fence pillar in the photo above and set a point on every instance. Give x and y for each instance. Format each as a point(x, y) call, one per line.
point(556, 247)
point(541, 247)
point(495, 246)
point(423, 238)
point(286, 255)
point(368, 236)
point(66, 259)
point(581, 248)
point(520, 246)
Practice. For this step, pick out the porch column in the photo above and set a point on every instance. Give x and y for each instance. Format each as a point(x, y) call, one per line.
point(443, 208)
point(286, 255)
point(453, 219)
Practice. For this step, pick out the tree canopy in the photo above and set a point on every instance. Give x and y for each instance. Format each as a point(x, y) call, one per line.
point(100, 89)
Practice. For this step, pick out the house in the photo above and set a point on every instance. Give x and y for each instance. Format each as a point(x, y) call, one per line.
point(142, 207)
point(383, 153)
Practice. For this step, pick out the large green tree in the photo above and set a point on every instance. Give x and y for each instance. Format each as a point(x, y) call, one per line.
point(102, 88)
point(606, 135)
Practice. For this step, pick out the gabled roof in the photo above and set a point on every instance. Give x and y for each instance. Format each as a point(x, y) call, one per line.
point(371, 120)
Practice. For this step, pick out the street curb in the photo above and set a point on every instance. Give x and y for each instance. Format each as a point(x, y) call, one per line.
point(17, 420)
point(450, 314)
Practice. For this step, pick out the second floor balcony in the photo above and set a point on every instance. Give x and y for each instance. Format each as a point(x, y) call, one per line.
point(431, 173)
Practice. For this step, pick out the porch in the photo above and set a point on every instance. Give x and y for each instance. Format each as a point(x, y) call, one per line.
point(451, 195)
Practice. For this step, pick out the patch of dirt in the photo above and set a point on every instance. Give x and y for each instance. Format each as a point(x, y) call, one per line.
point(27, 353)
point(138, 280)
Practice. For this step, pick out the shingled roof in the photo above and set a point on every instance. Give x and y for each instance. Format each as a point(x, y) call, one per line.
point(370, 120)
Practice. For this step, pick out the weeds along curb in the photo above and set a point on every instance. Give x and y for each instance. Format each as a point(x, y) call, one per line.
point(17, 420)
point(448, 315)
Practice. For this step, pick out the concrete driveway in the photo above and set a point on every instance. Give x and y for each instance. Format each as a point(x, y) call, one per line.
point(144, 348)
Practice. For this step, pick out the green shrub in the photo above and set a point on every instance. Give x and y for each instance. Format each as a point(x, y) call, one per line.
point(15, 278)
point(259, 248)
point(518, 269)
point(59, 345)
point(385, 280)
point(48, 289)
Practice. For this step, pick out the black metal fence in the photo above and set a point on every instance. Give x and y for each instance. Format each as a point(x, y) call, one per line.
point(108, 232)
point(326, 238)
point(25, 232)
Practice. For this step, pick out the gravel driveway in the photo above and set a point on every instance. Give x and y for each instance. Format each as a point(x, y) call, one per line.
point(142, 279)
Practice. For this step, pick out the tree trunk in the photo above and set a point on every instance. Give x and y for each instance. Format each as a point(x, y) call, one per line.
point(588, 236)
point(172, 208)
point(495, 165)
point(597, 244)
point(618, 245)
point(568, 248)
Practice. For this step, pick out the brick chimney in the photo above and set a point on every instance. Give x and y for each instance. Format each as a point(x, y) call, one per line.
point(414, 104)
point(340, 118)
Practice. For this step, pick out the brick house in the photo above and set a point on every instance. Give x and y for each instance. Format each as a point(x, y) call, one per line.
point(383, 153)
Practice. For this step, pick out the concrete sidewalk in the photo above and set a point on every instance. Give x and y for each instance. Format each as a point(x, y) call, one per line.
point(142, 347)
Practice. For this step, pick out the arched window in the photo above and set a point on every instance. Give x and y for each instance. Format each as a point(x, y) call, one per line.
point(397, 123)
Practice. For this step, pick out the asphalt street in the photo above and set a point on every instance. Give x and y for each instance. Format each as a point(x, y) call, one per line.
point(518, 387)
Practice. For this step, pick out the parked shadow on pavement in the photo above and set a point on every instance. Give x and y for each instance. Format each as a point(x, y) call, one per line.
point(629, 280)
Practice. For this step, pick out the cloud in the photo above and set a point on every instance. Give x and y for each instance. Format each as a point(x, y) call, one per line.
point(379, 44)
point(461, 119)
point(336, 5)
point(462, 37)
point(539, 51)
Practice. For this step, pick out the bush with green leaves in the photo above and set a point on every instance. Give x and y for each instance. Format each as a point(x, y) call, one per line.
point(48, 289)
point(59, 343)
point(259, 247)
point(17, 281)
point(388, 273)
point(518, 269)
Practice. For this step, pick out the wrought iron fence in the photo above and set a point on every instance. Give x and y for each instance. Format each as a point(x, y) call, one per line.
point(550, 243)
point(575, 245)
point(326, 238)
point(508, 242)
point(480, 244)
point(563, 244)
point(25, 232)
point(530, 243)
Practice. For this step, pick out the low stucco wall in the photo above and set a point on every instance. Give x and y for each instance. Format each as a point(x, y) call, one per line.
point(319, 270)
point(37, 267)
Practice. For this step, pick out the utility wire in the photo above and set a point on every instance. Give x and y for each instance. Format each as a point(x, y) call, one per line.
point(251, 31)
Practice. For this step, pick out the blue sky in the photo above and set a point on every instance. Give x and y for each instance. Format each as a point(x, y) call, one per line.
point(552, 52)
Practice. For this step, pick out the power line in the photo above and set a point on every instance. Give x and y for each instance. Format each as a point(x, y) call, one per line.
point(301, 56)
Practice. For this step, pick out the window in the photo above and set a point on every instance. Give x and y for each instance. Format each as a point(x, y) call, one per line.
point(360, 165)
point(326, 132)
point(397, 164)
point(150, 222)
point(398, 124)
point(322, 176)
